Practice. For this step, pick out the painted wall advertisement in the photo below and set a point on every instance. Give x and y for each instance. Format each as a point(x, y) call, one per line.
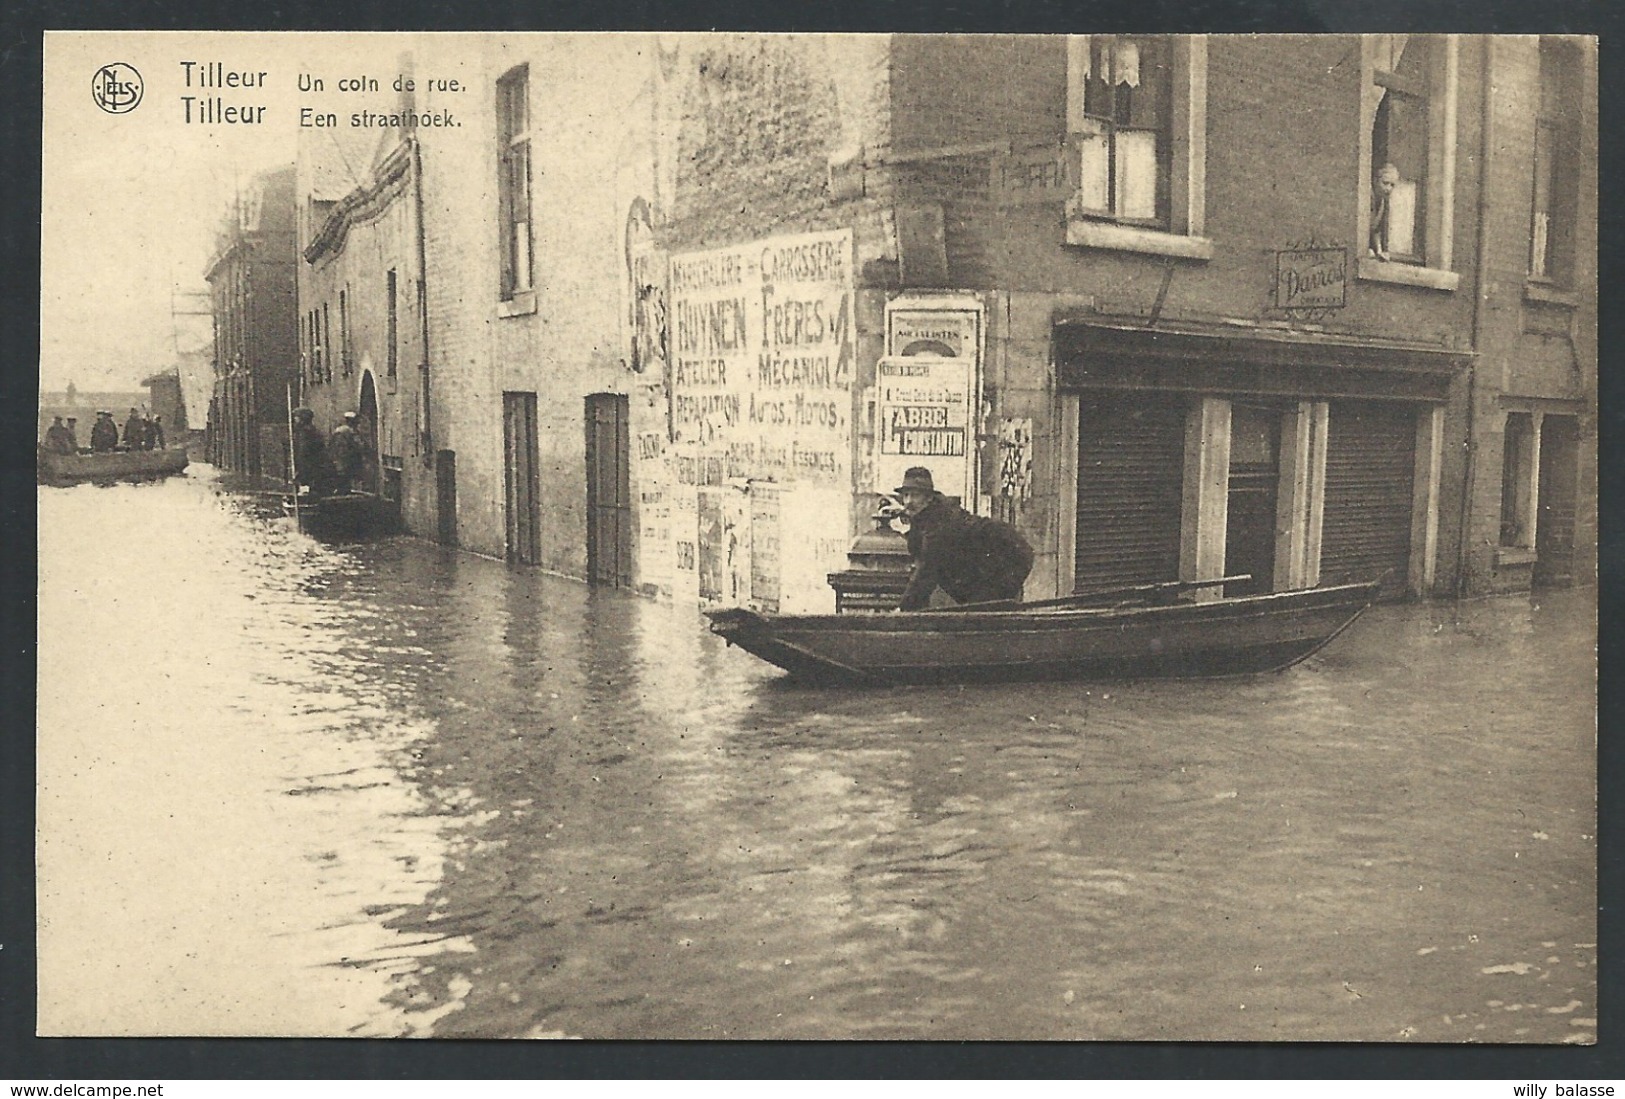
point(761, 351)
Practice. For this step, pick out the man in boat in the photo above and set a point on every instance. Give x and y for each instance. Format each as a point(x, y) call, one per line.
point(135, 431)
point(971, 557)
point(57, 440)
point(310, 466)
point(104, 433)
point(155, 433)
point(73, 434)
point(344, 449)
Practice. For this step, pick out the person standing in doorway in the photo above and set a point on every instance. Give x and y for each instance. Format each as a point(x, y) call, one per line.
point(971, 557)
point(344, 450)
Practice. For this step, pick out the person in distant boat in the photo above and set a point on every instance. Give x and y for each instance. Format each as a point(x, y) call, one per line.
point(155, 433)
point(344, 450)
point(971, 557)
point(104, 433)
point(57, 440)
point(310, 465)
point(73, 434)
point(135, 431)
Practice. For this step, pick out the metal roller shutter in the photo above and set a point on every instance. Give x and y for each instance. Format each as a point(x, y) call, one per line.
point(1131, 467)
point(1370, 479)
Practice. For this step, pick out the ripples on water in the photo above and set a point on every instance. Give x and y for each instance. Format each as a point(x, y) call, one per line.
point(480, 801)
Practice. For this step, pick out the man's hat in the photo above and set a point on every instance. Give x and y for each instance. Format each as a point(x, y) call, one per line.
point(916, 479)
point(302, 414)
point(349, 415)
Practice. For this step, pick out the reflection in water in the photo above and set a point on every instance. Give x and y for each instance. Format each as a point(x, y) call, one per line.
point(597, 820)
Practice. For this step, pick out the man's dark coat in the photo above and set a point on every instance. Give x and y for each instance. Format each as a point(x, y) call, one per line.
point(972, 558)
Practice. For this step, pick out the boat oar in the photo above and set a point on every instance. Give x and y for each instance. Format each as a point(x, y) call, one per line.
point(1096, 595)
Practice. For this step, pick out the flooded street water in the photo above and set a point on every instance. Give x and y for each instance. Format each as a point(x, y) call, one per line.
point(289, 788)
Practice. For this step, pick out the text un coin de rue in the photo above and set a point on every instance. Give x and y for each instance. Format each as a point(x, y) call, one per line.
point(222, 93)
point(390, 108)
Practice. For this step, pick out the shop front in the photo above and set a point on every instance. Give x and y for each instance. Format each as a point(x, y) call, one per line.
point(1285, 461)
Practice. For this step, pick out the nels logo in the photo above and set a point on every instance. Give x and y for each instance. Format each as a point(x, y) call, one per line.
point(116, 88)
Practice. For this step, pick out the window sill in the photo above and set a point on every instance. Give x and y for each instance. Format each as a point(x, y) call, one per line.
point(1547, 294)
point(1514, 555)
point(1406, 274)
point(519, 305)
point(1123, 238)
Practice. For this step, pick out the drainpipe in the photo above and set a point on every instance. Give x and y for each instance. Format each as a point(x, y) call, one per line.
point(1480, 285)
point(427, 428)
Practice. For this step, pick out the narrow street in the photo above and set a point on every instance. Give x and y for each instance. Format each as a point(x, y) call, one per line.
point(288, 788)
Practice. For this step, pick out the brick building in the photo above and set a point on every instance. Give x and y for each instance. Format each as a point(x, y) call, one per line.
point(460, 287)
point(360, 303)
point(1304, 308)
point(1533, 393)
point(1232, 311)
point(256, 353)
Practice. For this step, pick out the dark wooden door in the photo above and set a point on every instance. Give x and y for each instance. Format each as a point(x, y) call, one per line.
point(609, 503)
point(445, 484)
point(1255, 476)
point(521, 478)
point(1554, 525)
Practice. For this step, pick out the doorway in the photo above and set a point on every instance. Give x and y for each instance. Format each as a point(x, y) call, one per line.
point(1131, 460)
point(1370, 495)
point(1255, 477)
point(445, 492)
point(521, 478)
point(367, 427)
point(1554, 522)
point(609, 504)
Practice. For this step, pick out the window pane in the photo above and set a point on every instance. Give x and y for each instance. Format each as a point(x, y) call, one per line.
point(518, 181)
point(1097, 98)
point(521, 254)
point(1405, 144)
point(1402, 218)
point(1515, 473)
point(1094, 171)
point(1540, 245)
point(1148, 100)
point(1137, 174)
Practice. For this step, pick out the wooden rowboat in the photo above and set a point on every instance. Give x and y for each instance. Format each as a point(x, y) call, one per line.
point(108, 465)
point(1056, 639)
point(342, 517)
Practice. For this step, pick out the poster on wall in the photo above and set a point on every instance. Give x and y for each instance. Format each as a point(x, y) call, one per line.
point(923, 412)
point(950, 327)
point(928, 392)
point(762, 348)
point(651, 470)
